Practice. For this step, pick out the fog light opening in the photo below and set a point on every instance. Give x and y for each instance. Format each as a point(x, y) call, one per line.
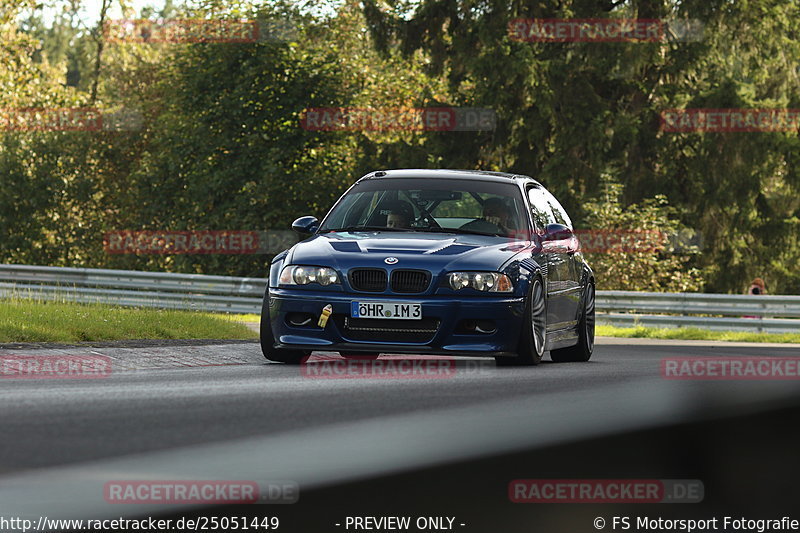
point(299, 320)
point(485, 326)
point(477, 327)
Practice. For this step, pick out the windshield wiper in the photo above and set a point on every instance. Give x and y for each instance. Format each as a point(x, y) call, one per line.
point(422, 230)
point(460, 231)
point(363, 228)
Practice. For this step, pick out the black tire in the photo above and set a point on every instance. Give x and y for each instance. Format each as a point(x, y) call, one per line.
point(582, 351)
point(279, 355)
point(533, 338)
point(359, 356)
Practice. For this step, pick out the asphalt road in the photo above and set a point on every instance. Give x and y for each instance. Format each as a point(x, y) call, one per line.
point(179, 409)
point(161, 398)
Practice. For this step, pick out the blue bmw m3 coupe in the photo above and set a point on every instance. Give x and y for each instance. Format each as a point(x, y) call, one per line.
point(442, 262)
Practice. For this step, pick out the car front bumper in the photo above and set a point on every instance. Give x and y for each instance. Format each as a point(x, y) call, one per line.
point(448, 337)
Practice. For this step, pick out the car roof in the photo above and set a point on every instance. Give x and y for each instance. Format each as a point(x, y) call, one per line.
point(483, 175)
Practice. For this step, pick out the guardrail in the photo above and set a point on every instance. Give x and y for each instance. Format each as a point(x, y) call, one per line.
point(774, 314)
point(766, 313)
point(133, 288)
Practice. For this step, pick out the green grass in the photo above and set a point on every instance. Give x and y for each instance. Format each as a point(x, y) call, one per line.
point(242, 318)
point(696, 334)
point(38, 321)
point(23, 320)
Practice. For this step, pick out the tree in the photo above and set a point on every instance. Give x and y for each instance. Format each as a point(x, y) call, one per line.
point(641, 245)
point(570, 113)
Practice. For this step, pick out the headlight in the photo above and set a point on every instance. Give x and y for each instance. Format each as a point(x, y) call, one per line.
point(303, 275)
point(481, 281)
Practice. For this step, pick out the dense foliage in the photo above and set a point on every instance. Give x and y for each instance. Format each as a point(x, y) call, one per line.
point(215, 140)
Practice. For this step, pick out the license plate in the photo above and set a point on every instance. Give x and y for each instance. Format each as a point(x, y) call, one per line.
point(399, 310)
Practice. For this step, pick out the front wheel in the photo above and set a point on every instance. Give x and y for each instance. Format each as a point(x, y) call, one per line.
point(271, 353)
point(534, 331)
point(582, 351)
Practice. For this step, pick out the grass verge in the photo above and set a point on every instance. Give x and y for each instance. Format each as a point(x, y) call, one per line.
point(24, 320)
point(242, 318)
point(696, 334)
point(39, 321)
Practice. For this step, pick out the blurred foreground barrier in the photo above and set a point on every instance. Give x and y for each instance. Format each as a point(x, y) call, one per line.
point(773, 314)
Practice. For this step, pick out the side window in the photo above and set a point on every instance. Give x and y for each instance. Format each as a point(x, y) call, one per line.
point(540, 210)
point(558, 212)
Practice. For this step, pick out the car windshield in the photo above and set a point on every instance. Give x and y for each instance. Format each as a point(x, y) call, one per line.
point(430, 205)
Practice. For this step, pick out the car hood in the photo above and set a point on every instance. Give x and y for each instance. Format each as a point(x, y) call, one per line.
point(430, 251)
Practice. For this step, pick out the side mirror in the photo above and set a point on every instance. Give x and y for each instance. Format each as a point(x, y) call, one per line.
point(556, 232)
point(306, 225)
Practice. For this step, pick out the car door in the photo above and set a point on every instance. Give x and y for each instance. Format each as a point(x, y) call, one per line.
point(558, 260)
point(571, 269)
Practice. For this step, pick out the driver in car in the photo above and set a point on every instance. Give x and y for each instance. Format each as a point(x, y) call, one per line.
point(495, 217)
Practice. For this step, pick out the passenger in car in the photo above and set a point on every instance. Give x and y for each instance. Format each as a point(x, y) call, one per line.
point(400, 215)
point(396, 219)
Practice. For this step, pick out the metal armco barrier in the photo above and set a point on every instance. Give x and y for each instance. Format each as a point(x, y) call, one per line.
point(772, 314)
point(133, 288)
